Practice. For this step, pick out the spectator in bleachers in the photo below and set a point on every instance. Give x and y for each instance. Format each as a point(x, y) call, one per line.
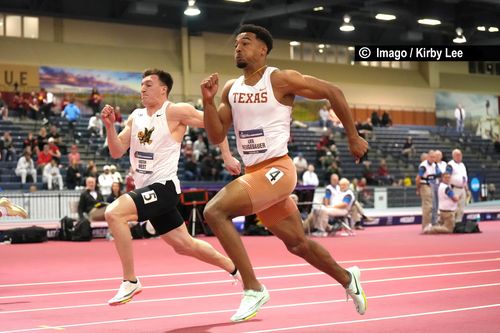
point(4, 109)
point(365, 129)
point(96, 127)
point(117, 176)
point(129, 180)
point(73, 175)
point(187, 151)
point(309, 177)
point(383, 174)
point(52, 175)
point(45, 104)
point(26, 166)
point(34, 109)
point(7, 147)
point(44, 157)
point(31, 142)
point(58, 139)
point(460, 118)
point(386, 120)
point(42, 138)
point(19, 105)
point(64, 101)
point(324, 117)
point(375, 120)
point(105, 180)
point(119, 123)
point(54, 150)
point(91, 170)
point(89, 198)
point(207, 167)
point(408, 149)
point(368, 174)
point(191, 171)
point(116, 192)
point(333, 168)
point(491, 191)
point(300, 164)
point(72, 113)
point(496, 143)
point(200, 147)
point(74, 154)
point(94, 101)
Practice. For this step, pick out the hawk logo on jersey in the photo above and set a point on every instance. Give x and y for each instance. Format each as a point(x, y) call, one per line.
point(145, 136)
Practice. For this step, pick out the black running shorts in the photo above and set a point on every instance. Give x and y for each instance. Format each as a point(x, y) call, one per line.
point(158, 204)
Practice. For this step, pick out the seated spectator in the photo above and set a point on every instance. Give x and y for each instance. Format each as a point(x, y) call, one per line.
point(375, 120)
point(4, 109)
point(89, 199)
point(31, 142)
point(91, 170)
point(72, 113)
point(386, 120)
point(52, 175)
point(116, 192)
point(300, 164)
point(73, 175)
point(333, 168)
point(383, 175)
point(42, 138)
point(119, 123)
point(365, 129)
point(309, 177)
point(33, 108)
point(117, 176)
point(324, 117)
point(54, 150)
point(207, 167)
point(367, 173)
point(26, 166)
point(7, 147)
point(96, 127)
point(200, 147)
point(74, 154)
point(408, 149)
point(94, 101)
point(58, 140)
point(105, 180)
point(187, 151)
point(19, 105)
point(129, 180)
point(44, 157)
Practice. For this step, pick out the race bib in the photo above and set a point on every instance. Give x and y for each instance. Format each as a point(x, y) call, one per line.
point(253, 141)
point(274, 175)
point(144, 162)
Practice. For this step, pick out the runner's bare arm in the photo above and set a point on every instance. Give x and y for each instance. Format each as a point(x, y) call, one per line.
point(117, 143)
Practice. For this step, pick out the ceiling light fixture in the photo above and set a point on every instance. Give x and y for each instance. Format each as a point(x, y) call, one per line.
point(294, 43)
point(318, 9)
point(385, 17)
point(460, 38)
point(493, 29)
point(429, 21)
point(192, 9)
point(481, 28)
point(241, 1)
point(347, 25)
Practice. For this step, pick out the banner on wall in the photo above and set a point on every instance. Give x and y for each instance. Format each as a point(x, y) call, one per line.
point(482, 115)
point(22, 78)
point(74, 80)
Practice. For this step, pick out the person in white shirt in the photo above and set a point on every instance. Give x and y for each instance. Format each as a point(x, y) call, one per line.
point(459, 181)
point(25, 166)
point(105, 180)
point(117, 176)
point(52, 175)
point(425, 178)
point(447, 208)
point(324, 117)
point(95, 125)
point(460, 118)
point(338, 206)
point(300, 164)
point(310, 177)
point(440, 169)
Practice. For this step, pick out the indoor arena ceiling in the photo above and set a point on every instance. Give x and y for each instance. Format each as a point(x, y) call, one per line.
point(293, 19)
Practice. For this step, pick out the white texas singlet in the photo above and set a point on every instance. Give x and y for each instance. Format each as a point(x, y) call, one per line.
point(154, 153)
point(261, 123)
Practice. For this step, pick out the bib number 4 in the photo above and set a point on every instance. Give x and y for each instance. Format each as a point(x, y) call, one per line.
point(274, 175)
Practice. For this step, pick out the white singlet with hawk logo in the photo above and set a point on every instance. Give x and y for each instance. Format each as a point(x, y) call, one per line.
point(154, 153)
point(261, 123)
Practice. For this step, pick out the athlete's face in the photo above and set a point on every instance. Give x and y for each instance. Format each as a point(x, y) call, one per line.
point(248, 49)
point(153, 91)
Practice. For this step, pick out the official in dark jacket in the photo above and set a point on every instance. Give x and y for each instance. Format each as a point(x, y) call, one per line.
point(90, 202)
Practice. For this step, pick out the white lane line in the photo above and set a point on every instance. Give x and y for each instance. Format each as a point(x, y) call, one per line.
point(256, 268)
point(329, 285)
point(409, 315)
point(189, 314)
point(260, 278)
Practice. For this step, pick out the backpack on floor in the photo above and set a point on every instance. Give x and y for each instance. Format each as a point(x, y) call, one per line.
point(31, 234)
point(466, 227)
point(82, 231)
